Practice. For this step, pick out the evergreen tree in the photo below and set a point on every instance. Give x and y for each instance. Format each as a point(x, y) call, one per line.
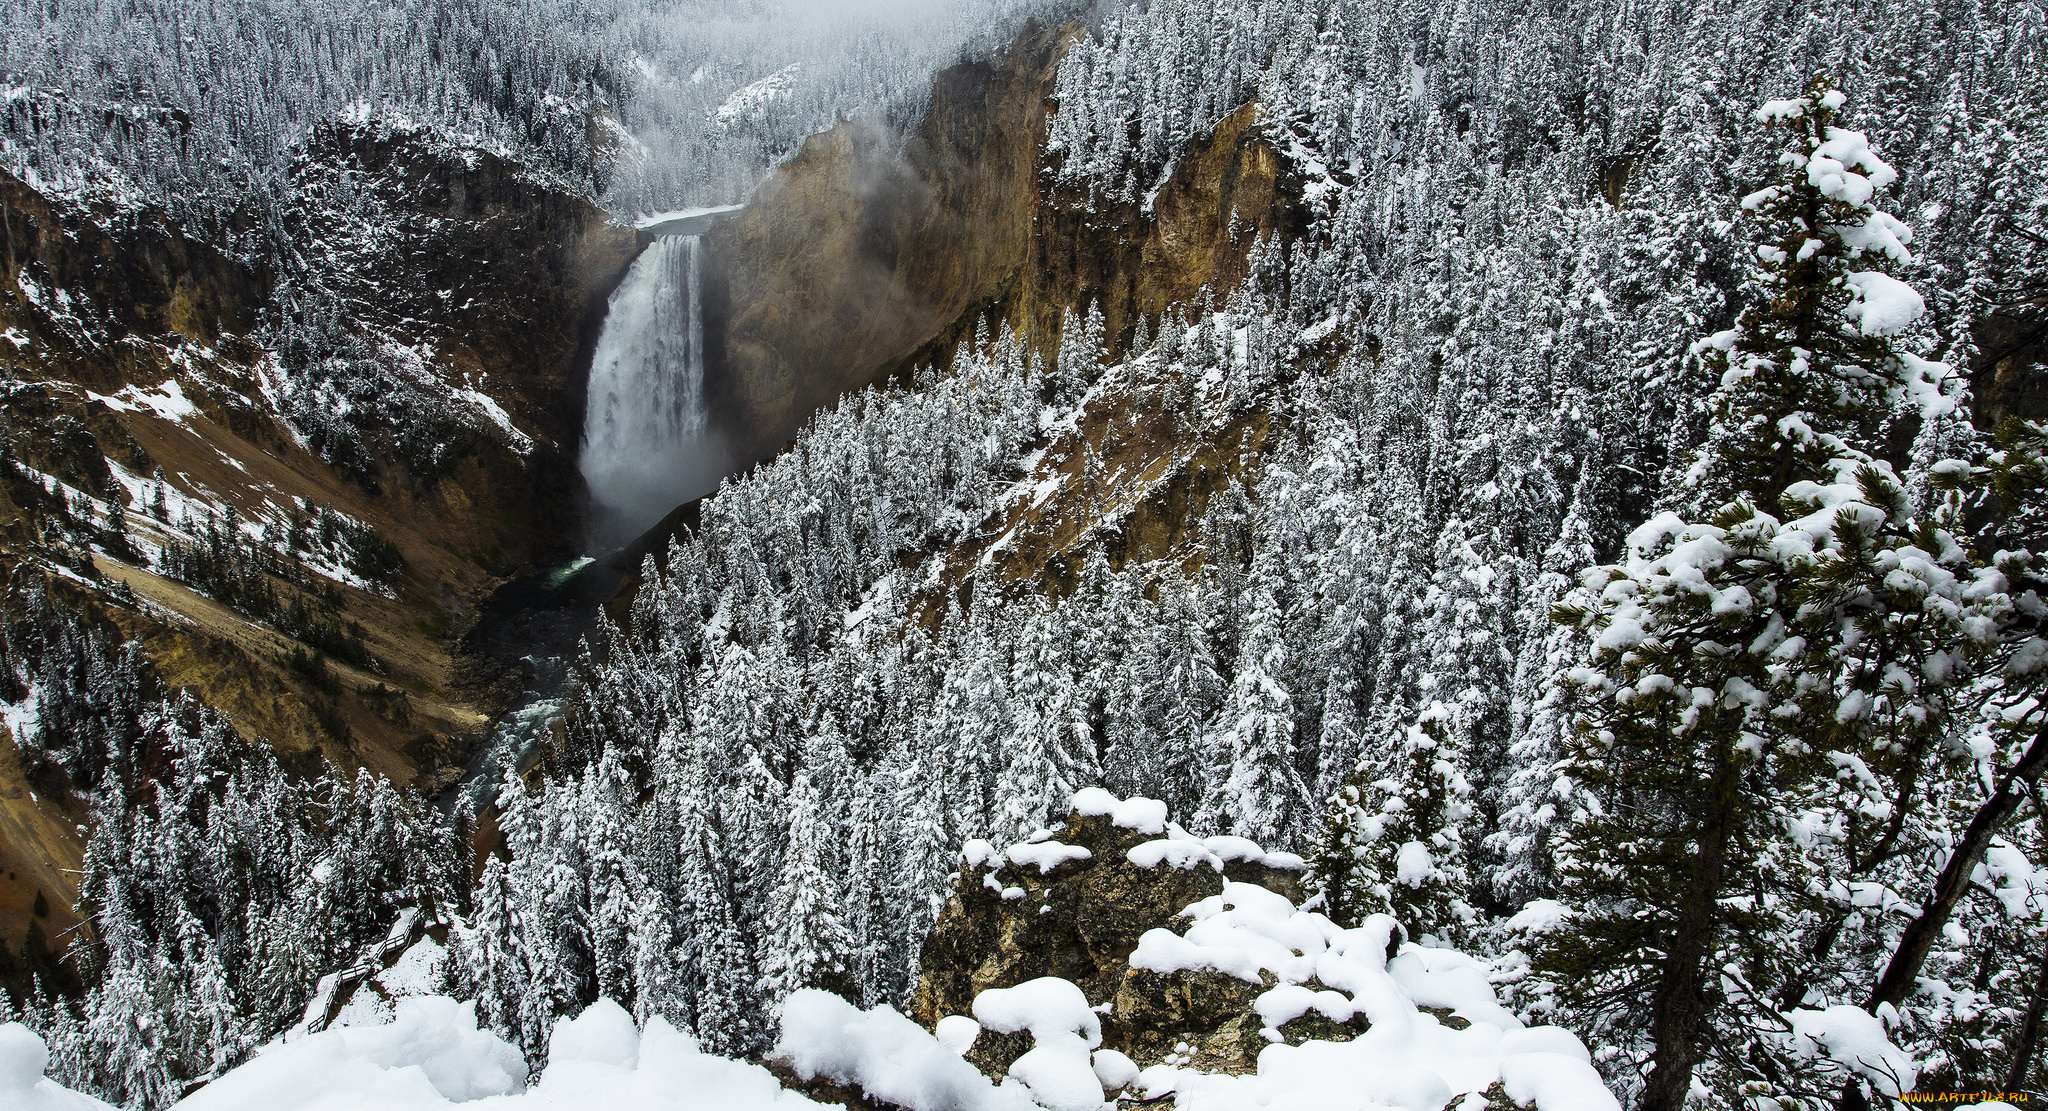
point(1813, 359)
point(729, 1017)
point(1259, 793)
point(491, 964)
point(1050, 755)
point(1189, 692)
point(1723, 680)
point(807, 944)
point(116, 496)
point(1393, 841)
point(659, 986)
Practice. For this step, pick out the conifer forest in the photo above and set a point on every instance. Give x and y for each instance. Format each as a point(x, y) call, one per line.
point(1027, 555)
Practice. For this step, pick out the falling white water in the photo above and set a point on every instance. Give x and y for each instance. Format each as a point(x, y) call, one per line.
point(647, 446)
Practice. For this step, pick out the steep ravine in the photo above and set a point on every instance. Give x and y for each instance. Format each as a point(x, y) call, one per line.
point(476, 278)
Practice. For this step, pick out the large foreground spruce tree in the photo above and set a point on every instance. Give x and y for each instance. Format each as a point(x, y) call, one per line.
point(1755, 696)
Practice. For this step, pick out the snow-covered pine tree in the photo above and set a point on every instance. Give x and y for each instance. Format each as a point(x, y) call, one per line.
point(1189, 692)
point(119, 1019)
point(969, 722)
point(807, 943)
point(487, 952)
point(1257, 789)
point(551, 924)
point(658, 987)
point(1724, 674)
point(2009, 751)
point(1077, 361)
point(1529, 797)
point(617, 888)
point(730, 1015)
point(865, 900)
point(1813, 358)
point(1393, 840)
point(1051, 755)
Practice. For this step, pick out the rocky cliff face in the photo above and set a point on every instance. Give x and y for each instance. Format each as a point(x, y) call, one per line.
point(2006, 379)
point(1227, 192)
point(866, 245)
point(868, 252)
point(498, 275)
point(131, 275)
point(134, 367)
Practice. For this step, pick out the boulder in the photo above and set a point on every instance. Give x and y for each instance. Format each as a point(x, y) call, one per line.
point(1071, 903)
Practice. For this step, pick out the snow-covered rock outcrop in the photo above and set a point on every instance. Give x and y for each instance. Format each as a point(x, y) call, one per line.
point(1125, 952)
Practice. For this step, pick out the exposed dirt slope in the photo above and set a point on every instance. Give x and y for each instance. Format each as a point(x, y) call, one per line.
point(40, 851)
point(1129, 477)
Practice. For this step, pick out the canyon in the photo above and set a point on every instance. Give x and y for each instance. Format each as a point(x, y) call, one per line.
point(864, 256)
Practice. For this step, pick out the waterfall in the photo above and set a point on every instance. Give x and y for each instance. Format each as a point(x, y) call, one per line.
point(647, 445)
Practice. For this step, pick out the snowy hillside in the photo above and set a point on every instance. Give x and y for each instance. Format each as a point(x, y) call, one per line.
point(1392, 1054)
point(657, 103)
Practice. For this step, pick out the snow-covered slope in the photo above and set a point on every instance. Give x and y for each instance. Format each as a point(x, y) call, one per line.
point(1417, 1029)
point(431, 1055)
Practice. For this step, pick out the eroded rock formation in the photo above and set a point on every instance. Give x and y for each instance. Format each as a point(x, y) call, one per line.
point(870, 251)
point(1009, 921)
point(134, 274)
point(501, 274)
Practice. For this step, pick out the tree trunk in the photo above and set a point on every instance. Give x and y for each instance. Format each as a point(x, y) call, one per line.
point(1793, 994)
point(1903, 971)
point(2030, 1030)
point(1680, 1011)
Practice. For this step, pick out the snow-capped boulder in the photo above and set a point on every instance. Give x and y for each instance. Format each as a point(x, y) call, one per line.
point(1123, 953)
point(1074, 903)
point(1103, 902)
